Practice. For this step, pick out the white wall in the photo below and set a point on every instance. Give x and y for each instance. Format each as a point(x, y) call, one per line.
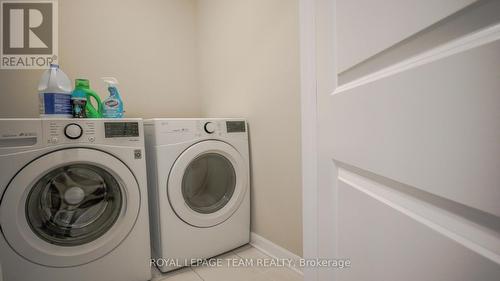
point(249, 66)
point(147, 45)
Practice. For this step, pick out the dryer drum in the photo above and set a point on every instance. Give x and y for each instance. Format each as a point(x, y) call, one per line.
point(208, 183)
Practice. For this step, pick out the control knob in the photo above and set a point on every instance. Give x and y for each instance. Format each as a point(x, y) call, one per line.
point(73, 131)
point(209, 127)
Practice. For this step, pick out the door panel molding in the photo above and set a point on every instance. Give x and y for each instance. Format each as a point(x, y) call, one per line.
point(473, 229)
point(387, 242)
point(473, 18)
point(366, 27)
point(473, 40)
point(453, 149)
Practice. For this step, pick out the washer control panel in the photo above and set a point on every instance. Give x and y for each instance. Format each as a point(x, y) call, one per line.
point(121, 129)
point(103, 131)
point(62, 131)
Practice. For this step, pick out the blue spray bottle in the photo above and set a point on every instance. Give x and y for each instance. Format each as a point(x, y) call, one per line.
point(113, 105)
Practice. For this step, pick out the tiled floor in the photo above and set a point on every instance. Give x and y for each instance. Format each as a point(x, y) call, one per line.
point(233, 273)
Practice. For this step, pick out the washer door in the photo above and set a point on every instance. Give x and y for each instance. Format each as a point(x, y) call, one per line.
point(207, 183)
point(69, 207)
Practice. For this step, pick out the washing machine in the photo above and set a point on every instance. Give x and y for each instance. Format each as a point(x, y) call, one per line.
point(73, 200)
point(198, 173)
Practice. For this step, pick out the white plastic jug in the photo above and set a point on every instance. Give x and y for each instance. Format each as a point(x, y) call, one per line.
point(54, 91)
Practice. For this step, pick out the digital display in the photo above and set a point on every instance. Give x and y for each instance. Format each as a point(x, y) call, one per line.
point(121, 129)
point(235, 126)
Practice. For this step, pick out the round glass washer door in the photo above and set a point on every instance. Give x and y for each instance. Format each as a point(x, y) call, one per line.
point(207, 183)
point(69, 207)
point(74, 204)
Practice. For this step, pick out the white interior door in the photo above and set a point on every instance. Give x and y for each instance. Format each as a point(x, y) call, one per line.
point(408, 112)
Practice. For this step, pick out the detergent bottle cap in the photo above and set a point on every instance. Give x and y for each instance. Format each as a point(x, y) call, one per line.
point(84, 83)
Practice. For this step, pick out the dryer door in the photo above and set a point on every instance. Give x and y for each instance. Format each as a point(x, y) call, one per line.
point(69, 207)
point(207, 183)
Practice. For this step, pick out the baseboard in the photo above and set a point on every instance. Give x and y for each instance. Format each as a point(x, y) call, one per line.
point(273, 250)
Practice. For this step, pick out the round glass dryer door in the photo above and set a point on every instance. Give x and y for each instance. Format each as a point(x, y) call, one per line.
point(207, 183)
point(69, 207)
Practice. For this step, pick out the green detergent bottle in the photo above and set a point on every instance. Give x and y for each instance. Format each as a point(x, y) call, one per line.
point(83, 86)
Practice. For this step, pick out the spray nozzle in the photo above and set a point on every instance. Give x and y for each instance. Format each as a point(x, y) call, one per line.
point(110, 81)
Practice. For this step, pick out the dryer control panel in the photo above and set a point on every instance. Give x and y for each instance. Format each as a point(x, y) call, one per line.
point(179, 130)
point(222, 127)
point(236, 126)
